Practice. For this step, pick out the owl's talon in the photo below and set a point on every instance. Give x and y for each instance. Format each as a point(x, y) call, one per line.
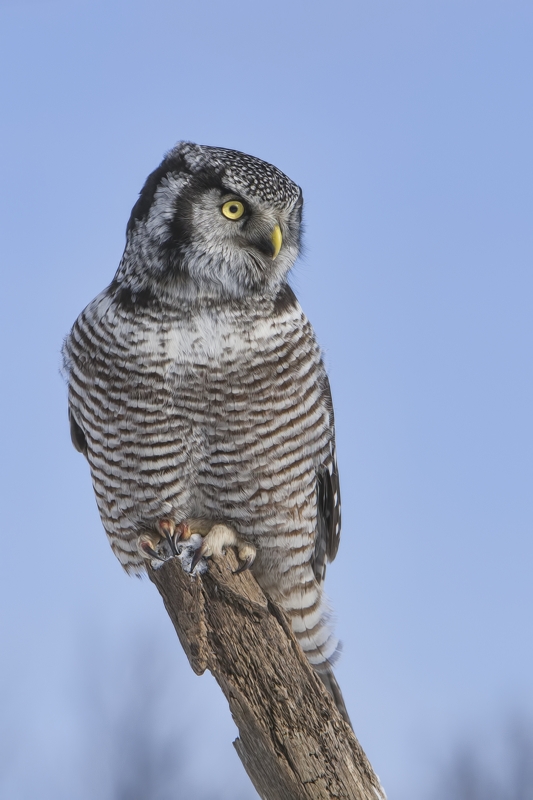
point(146, 546)
point(167, 529)
point(182, 532)
point(198, 554)
point(246, 564)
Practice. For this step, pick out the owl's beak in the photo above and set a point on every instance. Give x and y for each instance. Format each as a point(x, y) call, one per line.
point(276, 238)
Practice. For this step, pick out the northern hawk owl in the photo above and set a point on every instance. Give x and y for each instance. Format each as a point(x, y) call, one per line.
point(197, 389)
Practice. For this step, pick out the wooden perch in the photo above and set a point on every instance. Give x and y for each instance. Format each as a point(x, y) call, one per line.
point(292, 740)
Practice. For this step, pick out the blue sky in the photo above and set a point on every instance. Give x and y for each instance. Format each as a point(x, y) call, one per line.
point(409, 126)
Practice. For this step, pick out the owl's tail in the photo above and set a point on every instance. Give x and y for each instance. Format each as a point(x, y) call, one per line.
point(302, 599)
point(312, 628)
point(325, 673)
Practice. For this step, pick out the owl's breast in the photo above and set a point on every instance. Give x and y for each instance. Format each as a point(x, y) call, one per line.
point(253, 390)
point(240, 370)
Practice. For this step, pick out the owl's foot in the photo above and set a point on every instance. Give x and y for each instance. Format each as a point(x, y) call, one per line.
point(161, 545)
point(215, 542)
point(191, 541)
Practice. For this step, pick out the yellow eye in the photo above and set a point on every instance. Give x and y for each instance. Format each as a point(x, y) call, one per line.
point(233, 209)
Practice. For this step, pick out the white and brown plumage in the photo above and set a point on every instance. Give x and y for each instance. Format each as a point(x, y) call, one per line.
point(197, 390)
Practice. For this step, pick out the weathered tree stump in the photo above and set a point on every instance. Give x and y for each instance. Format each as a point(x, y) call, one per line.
point(293, 742)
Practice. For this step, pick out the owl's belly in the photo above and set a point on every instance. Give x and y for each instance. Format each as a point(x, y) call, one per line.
point(219, 443)
point(254, 459)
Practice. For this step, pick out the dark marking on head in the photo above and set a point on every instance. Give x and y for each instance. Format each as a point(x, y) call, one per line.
point(146, 197)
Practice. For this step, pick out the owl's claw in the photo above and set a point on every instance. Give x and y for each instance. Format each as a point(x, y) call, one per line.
point(196, 557)
point(159, 545)
point(246, 564)
point(182, 532)
point(167, 529)
point(147, 547)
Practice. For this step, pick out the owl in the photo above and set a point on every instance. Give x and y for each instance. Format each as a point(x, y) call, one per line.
point(198, 393)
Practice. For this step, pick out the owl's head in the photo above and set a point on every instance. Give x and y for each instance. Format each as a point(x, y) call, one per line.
point(211, 222)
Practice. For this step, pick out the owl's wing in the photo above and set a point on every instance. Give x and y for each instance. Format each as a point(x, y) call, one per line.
point(328, 505)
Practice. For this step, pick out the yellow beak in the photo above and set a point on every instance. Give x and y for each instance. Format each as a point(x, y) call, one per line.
point(276, 239)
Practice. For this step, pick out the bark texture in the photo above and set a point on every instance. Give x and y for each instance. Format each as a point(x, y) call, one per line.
point(293, 743)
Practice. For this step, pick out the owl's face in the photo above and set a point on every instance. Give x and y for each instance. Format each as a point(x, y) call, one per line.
point(211, 222)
